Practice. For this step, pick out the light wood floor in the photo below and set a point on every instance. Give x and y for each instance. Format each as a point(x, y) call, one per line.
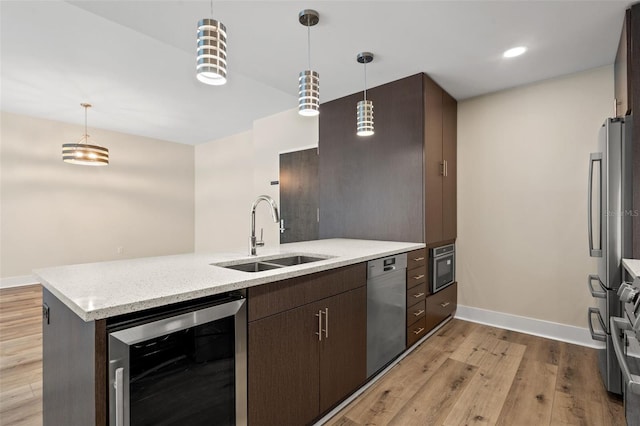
point(465, 374)
point(470, 374)
point(21, 356)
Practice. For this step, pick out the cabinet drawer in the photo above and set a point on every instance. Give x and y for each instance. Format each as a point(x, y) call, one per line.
point(416, 294)
point(441, 305)
point(416, 276)
point(415, 312)
point(416, 258)
point(416, 331)
point(280, 296)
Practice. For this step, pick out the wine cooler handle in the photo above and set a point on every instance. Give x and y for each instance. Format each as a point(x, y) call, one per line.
point(118, 385)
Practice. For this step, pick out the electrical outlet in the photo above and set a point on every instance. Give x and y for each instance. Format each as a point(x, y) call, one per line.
point(119, 249)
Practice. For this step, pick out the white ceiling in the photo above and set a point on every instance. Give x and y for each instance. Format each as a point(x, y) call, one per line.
point(135, 60)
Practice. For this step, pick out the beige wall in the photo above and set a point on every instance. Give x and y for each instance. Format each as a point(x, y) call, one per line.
point(224, 187)
point(522, 196)
point(232, 172)
point(54, 213)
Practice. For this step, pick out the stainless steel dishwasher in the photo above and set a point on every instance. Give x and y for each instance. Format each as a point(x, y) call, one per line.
point(386, 310)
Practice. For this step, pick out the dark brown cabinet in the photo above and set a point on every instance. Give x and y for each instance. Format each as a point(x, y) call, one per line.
point(439, 163)
point(627, 91)
point(400, 183)
point(440, 305)
point(622, 70)
point(283, 383)
point(343, 354)
point(417, 285)
point(304, 360)
point(371, 187)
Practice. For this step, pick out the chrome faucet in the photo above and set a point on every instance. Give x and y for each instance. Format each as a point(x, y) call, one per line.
point(253, 243)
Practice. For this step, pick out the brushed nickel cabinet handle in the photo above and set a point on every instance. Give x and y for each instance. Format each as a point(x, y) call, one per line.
point(418, 295)
point(420, 312)
point(326, 323)
point(442, 168)
point(319, 332)
point(446, 169)
point(445, 304)
point(418, 259)
point(417, 277)
point(418, 331)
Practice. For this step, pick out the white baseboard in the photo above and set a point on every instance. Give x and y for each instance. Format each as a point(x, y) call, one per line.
point(536, 327)
point(18, 281)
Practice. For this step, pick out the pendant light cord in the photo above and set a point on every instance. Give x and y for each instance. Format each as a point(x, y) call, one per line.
point(365, 81)
point(86, 136)
point(309, 44)
point(211, 5)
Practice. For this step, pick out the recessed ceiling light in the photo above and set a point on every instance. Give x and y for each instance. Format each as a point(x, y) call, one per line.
point(516, 51)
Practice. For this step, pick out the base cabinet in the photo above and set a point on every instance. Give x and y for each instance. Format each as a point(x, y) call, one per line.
point(417, 290)
point(441, 305)
point(305, 360)
point(284, 383)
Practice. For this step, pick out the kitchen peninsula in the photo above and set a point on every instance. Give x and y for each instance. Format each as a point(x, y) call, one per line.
point(86, 305)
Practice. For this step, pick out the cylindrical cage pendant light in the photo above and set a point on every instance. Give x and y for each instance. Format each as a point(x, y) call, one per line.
point(211, 62)
point(82, 153)
point(309, 80)
point(365, 107)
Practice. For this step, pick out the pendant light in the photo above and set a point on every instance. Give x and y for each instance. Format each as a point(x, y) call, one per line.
point(365, 107)
point(309, 80)
point(211, 61)
point(83, 153)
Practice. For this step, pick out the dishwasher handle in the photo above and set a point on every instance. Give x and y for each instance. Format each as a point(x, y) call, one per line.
point(386, 265)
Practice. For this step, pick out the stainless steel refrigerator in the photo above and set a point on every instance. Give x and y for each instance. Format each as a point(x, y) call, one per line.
point(609, 217)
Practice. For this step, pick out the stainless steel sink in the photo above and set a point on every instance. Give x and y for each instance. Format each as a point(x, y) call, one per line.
point(294, 260)
point(253, 267)
point(269, 264)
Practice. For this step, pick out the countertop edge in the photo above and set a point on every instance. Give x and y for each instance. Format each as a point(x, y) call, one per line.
point(241, 284)
point(632, 266)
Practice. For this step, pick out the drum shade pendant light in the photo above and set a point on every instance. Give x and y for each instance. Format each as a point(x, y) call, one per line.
point(83, 153)
point(365, 107)
point(211, 61)
point(309, 80)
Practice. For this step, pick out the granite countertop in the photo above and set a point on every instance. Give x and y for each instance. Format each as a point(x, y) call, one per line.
point(632, 266)
point(105, 289)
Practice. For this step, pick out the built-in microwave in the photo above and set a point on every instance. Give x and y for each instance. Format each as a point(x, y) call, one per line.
point(442, 261)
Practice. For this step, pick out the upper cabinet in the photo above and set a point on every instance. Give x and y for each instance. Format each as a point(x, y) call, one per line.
point(627, 92)
point(400, 183)
point(440, 118)
point(622, 67)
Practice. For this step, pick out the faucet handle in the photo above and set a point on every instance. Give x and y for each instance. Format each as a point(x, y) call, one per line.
point(260, 243)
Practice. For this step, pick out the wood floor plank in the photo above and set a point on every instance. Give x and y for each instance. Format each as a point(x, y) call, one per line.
point(538, 348)
point(530, 399)
point(570, 409)
point(21, 356)
point(441, 391)
point(484, 397)
point(475, 347)
point(387, 397)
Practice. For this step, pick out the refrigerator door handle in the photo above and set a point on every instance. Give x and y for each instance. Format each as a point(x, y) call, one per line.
point(600, 294)
point(595, 156)
point(596, 336)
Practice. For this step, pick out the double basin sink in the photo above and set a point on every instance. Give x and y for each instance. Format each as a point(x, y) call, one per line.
point(274, 263)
